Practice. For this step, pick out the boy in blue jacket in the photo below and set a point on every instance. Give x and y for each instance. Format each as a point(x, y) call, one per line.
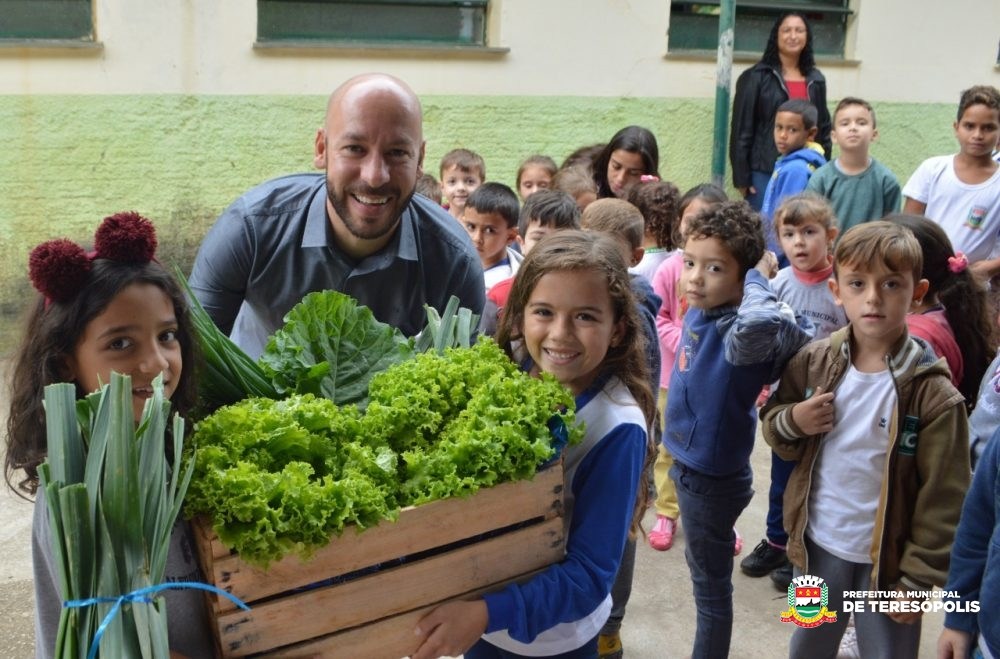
point(794, 131)
point(736, 338)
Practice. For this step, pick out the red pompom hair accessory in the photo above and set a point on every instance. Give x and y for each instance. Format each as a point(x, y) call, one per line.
point(127, 237)
point(58, 268)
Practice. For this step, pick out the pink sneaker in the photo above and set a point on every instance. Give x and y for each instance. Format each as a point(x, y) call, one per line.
point(661, 538)
point(738, 543)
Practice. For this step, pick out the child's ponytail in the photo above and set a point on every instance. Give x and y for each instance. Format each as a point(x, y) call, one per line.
point(965, 301)
point(967, 308)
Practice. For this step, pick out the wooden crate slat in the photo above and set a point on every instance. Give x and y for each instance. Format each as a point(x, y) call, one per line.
point(206, 543)
point(389, 638)
point(310, 614)
point(417, 529)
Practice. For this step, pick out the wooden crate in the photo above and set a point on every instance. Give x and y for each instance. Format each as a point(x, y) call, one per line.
point(374, 615)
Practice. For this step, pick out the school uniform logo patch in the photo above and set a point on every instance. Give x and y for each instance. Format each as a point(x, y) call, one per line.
point(807, 600)
point(687, 350)
point(976, 218)
point(684, 359)
point(908, 438)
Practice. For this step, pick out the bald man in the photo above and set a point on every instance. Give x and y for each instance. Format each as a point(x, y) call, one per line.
point(358, 229)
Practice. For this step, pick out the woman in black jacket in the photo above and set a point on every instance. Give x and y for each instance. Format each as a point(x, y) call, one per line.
point(786, 70)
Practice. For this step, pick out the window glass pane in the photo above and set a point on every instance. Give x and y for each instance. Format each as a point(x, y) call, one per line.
point(376, 21)
point(793, 5)
point(695, 26)
point(45, 19)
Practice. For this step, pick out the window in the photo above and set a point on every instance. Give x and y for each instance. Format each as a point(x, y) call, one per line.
point(695, 25)
point(366, 22)
point(46, 20)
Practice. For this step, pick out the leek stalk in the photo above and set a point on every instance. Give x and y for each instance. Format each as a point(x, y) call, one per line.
point(113, 495)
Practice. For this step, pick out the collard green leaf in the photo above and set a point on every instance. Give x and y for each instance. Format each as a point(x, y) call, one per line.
point(331, 347)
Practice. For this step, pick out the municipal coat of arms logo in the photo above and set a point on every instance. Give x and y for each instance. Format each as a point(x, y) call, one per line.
point(807, 600)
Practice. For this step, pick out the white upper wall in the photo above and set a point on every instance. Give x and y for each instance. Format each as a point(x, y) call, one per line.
point(900, 50)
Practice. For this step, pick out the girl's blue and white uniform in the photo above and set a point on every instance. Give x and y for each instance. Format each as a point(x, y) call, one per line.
point(566, 605)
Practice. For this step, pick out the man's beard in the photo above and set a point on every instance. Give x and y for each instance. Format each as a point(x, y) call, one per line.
point(359, 229)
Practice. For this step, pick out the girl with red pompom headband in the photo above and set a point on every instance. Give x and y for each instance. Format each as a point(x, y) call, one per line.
point(114, 308)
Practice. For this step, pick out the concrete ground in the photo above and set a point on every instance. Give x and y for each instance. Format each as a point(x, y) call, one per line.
point(660, 619)
point(17, 634)
point(659, 623)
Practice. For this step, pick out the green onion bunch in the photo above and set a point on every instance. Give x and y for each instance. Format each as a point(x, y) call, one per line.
point(227, 374)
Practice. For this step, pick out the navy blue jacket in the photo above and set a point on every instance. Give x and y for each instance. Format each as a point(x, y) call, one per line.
point(725, 357)
point(975, 556)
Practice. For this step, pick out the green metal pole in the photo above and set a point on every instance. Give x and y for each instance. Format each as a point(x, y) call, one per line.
point(723, 78)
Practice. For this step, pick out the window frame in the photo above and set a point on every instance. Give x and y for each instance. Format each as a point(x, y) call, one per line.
point(48, 23)
point(758, 17)
point(476, 12)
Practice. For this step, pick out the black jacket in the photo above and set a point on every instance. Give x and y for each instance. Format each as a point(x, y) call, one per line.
point(759, 91)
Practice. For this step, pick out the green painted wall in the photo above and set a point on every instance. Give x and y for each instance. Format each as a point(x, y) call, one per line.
point(68, 161)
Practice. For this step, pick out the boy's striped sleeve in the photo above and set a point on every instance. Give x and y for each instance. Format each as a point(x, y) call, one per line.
point(785, 427)
point(765, 329)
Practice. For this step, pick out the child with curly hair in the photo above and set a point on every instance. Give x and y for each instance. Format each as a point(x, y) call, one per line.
point(736, 338)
